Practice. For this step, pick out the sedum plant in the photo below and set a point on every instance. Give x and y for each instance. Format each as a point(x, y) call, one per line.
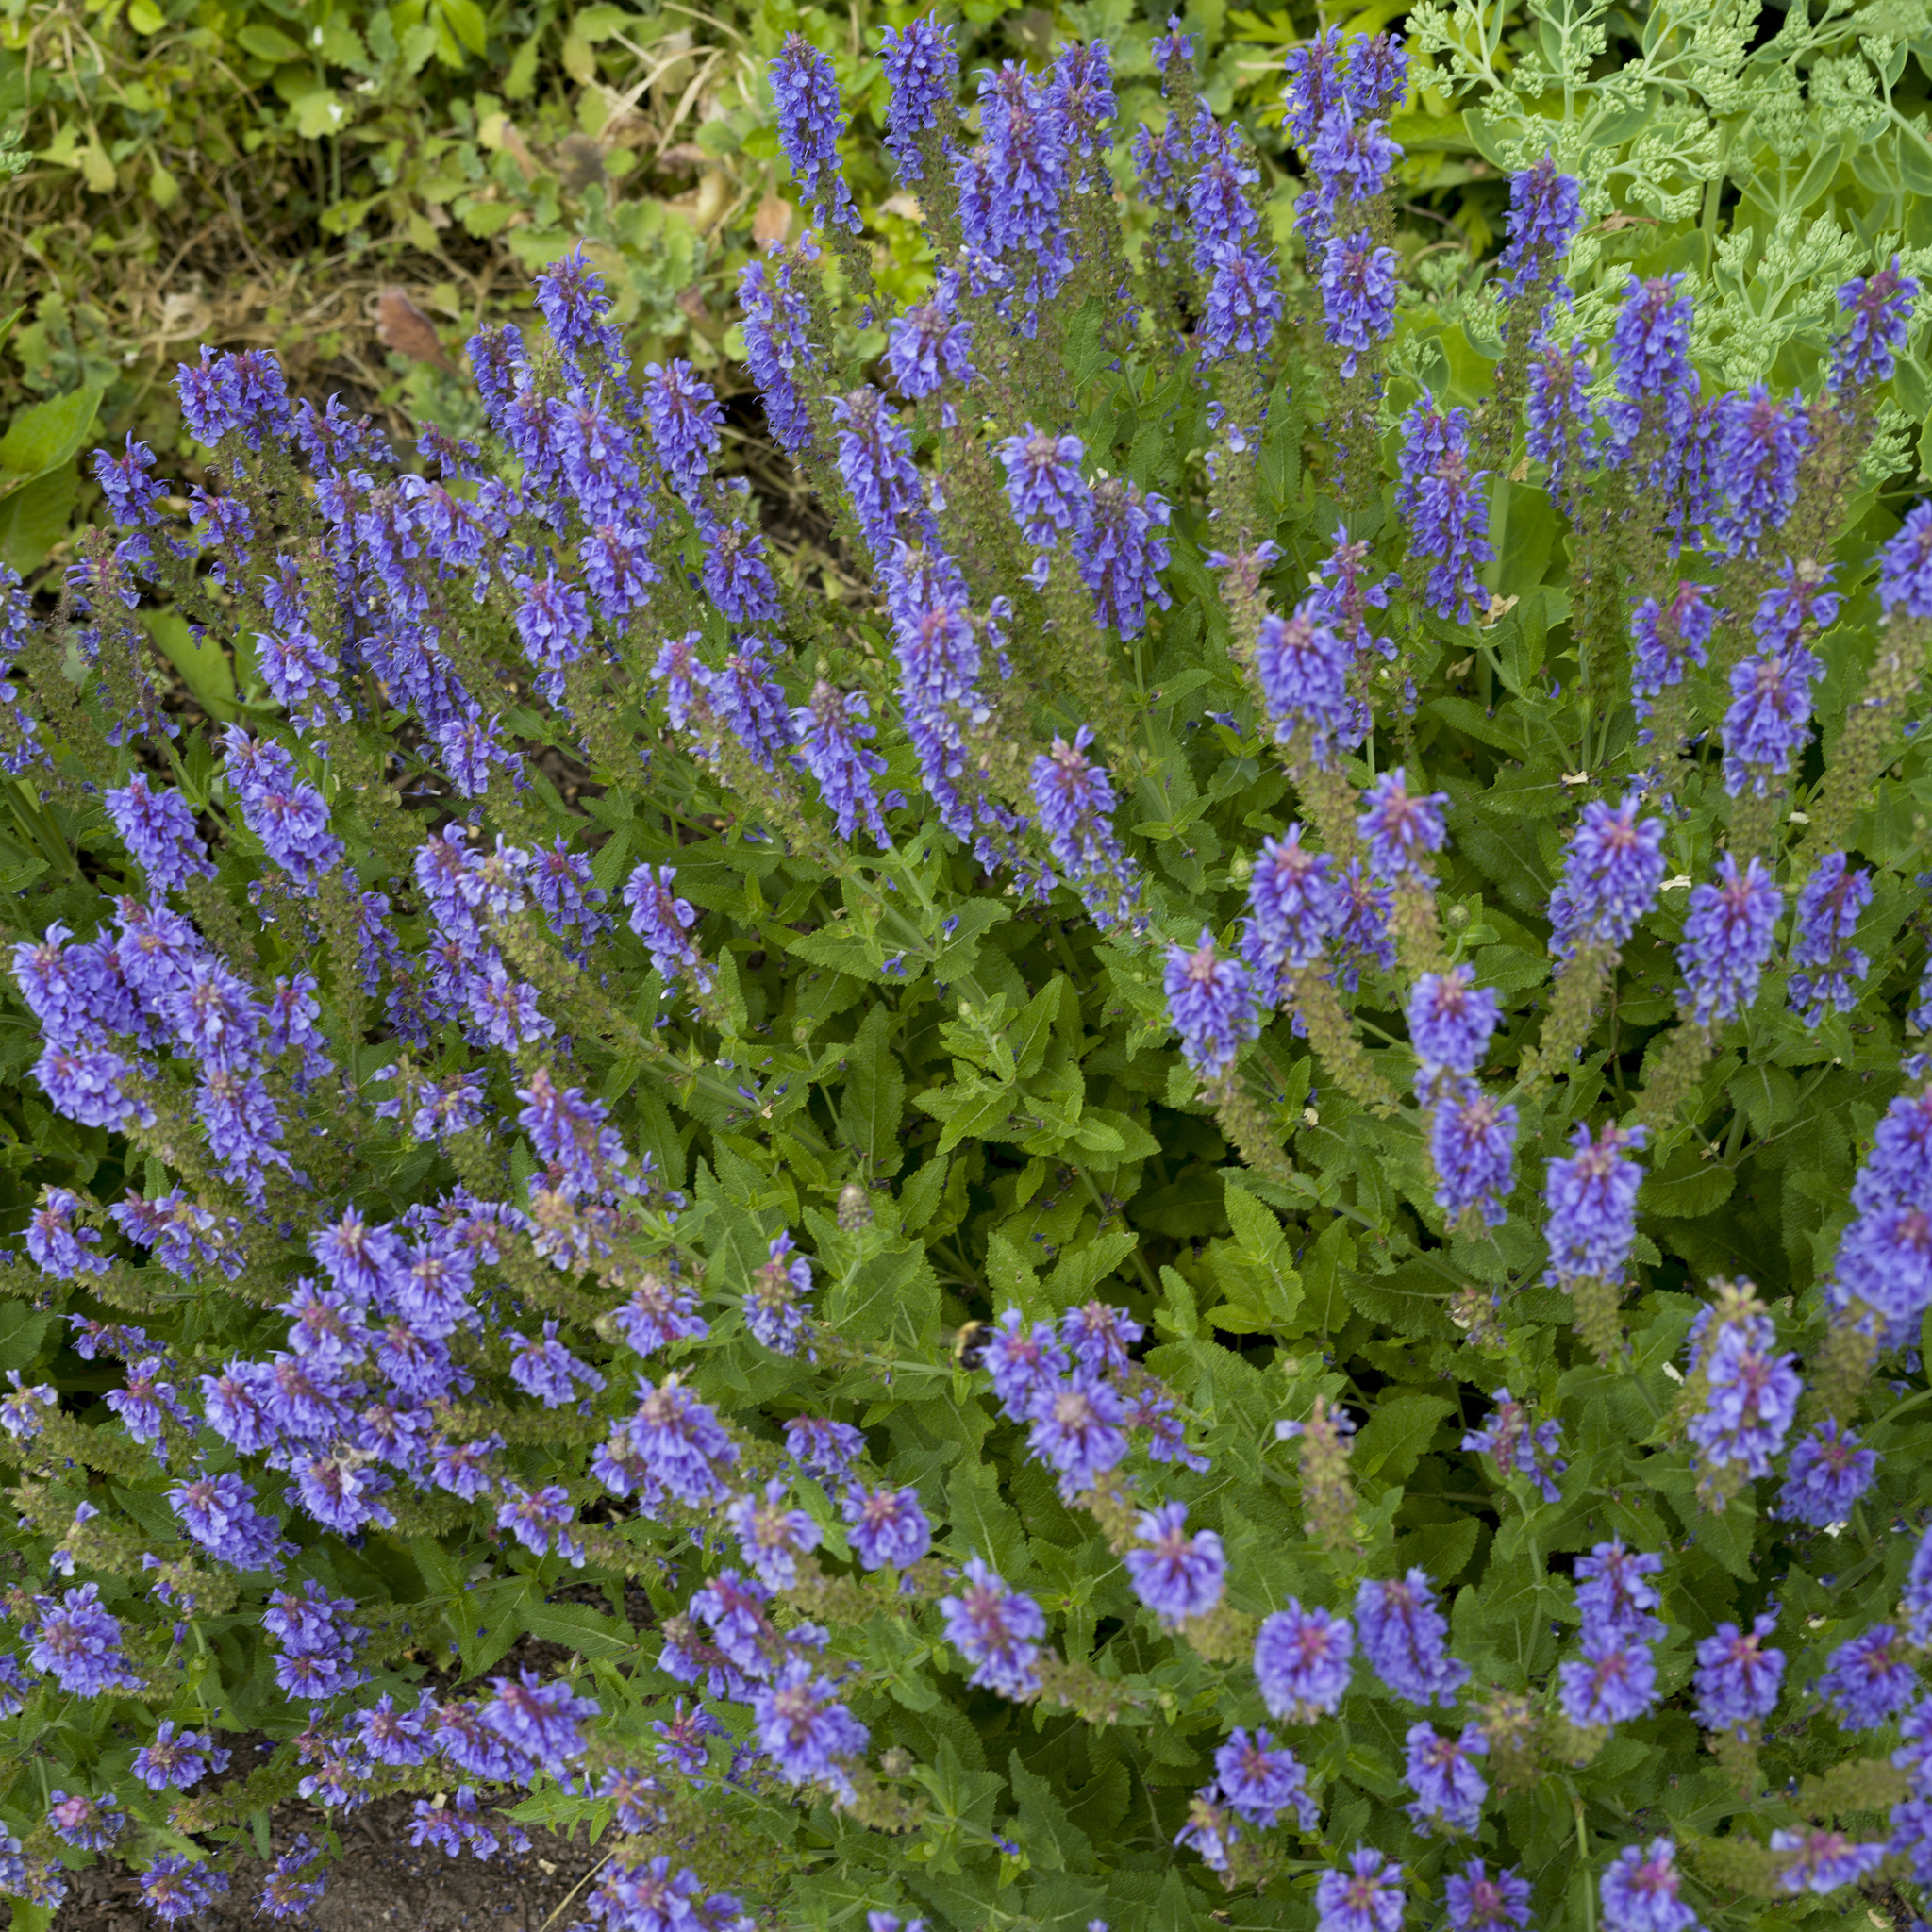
point(1185, 1186)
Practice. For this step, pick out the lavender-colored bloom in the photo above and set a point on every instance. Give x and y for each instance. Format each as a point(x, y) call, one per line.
point(1075, 802)
point(1904, 566)
point(1451, 1019)
point(1752, 1391)
point(1448, 513)
point(1210, 1000)
point(1829, 903)
point(1612, 871)
point(684, 413)
point(922, 71)
point(803, 1729)
point(809, 118)
point(828, 731)
point(1827, 1474)
point(778, 347)
point(1770, 717)
point(1099, 1337)
point(79, 1643)
point(1871, 1679)
point(1044, 488)
point(889, 1529)
point(1614, 1682)
point(1754, 456)
point(1025, 1363)
point(1401, 829)
point(1591, 1199)
point(286, 1893)
point(1177, 1575)
point(1651, 340)
point(1366, 1898)
point(680, 1441)
point(176, 1887)
point(772, 1535)
point(776, 1308)
point(875, 457)
point(159, 832)
point(997, 1630)
point(1614, 1593)
point(1122, 552)
point(1302, 1660)
point(288, 815)
point(1472, 1149)
point(1244, 302)
point(1260, 1779)
point(1292, 907)
point(1728, 939)
point(1544, 213)
point(1078, 1426)
point(1449, 1789)
point(177, 1762)
point(1737, 1675)
point(821, 1448)
point(1301, 668)
point(1640, 1891)
point(1316, 83)
point(1403, 1634)
point(1559, 418)
point(219, 1513)
point(1520, 1446)
point(1667, 638)
point(92, 1823)
point(1879, 313)
point(663, 921)
point(1013, 186)
point(1357, 295)
point(1821, 1861)
point(930, 345)
point(1477, 1902)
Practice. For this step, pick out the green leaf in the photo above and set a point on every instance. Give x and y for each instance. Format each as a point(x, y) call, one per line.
point(491, 1618)
point(1690, 1187)
point(1049, 1837)
point(203, 667)
point(578, 1628)
point(268, 43)
point(35, 518)
point(22, 1331)
point(44, 436)
point(872, 1104)
point(1393, 1438)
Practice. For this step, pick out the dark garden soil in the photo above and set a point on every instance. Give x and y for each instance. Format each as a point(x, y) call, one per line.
point(381, 1881)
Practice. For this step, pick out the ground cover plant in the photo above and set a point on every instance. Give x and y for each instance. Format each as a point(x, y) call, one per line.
point(1210, 1209)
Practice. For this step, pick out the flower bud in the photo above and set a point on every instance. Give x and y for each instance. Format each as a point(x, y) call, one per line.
point(854, 1208)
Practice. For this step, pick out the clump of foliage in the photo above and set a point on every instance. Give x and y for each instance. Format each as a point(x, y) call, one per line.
point(1227, 1192)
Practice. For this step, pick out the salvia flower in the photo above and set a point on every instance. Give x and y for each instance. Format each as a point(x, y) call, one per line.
point(1479, 1900)
point(1447, 510)
point(1403, 1635)
point(1177, 1575)
point(1871, 1679)
point(1667, 638)
point(1402, 828)
point(1472, 1149)
point(997, 1630)
point(1591, 1199)
point(776, 1308)
point(1210, 1000)
point(809, 124)
point(1449, 1789)
point(1546, 212)
point(1823, 1861)
point(1302, 667)
point(1366, 1898)
point(1614, 1592)
point(1750, 1390)
point(1614, 1681)
point(1754, 460)
point(1302, 1660)
point(1769, 716)
point(1879, 312)
point(1357, 282)
point(1612, 869)
point(1451, 1020)
point(830, 732)
point(1520, 1444)
point(922, 71)
point(1829, 903)
point(1258, 1779)
point(1122, 552)
point(1828, 1472)
point(1904, 566)
point(1292, 909)
point(1075, 798)
point(887, 1529)
point(1739, 1675)
point(1044, 488)
point(1640, 1891)
point(663, 921)
point(1728, 939)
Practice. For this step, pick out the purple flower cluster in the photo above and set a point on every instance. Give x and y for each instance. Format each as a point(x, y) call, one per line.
point(1074, 799)
point(1612, 869)
point(1544, 213)
point(1667, 638)
point(1211, 999)
point(1750, 1391)
point(1449, 1789)
point(997, 1630)
point(1175, 1575)
point(1728, 939)
point(1520, 1446)
point(807, 91)
point(1447, 510)
point(1615, 1679)
point(1885, 1257)
point(1827, 1470)
point(1879, 312)
point(1592, 1200)
point(1303, 1661)
point(922, 71)
point(1739, 1675)
point(1826, 963)
point(1402, 1637)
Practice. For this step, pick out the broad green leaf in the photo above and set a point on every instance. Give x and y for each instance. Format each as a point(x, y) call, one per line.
point(1397, 1432)
point(203, 667)
point(873, 1100)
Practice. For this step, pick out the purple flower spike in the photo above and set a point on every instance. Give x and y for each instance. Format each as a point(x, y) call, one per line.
point(1211, 1001)
point(1728, 939)
point(809, 118)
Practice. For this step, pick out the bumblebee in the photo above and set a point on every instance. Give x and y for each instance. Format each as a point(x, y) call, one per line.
point(970, 1345)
